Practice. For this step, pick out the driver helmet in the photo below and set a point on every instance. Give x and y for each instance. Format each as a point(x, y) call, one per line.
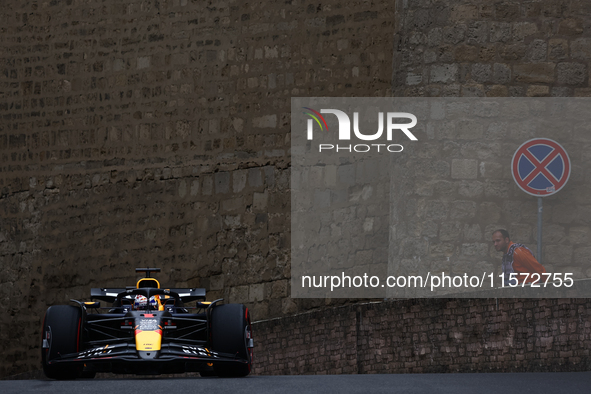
point(140, 302)
point(154, 302)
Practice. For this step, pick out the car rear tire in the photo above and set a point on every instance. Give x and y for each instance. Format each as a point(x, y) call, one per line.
point(231, 333)
point(64, 325)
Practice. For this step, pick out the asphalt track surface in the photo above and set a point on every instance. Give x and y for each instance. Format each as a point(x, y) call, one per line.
point(492, 383)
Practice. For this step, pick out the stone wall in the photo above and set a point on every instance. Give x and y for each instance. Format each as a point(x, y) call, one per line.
point(493, 49)
point(156, 133)
point(479, 48)
point(429, 336)
point(455, 187)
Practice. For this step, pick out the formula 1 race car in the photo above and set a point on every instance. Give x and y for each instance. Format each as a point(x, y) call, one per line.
point(147, 330)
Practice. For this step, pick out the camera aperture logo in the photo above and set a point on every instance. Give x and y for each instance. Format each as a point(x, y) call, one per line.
point(344, 132)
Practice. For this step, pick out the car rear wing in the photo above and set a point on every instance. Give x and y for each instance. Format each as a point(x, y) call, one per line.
point(188, 295)
point(110, 294)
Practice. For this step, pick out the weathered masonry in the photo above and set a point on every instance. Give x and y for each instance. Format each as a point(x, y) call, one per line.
point(157, 133)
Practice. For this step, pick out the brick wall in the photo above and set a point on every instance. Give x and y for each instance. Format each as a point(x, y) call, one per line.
point(428, 336)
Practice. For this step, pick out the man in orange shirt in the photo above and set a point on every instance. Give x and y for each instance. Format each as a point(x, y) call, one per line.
point(517, 258)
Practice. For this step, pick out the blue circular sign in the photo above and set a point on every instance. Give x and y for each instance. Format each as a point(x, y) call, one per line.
point(540, 167)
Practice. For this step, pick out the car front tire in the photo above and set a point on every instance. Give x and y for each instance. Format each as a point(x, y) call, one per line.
point(231, 333)
point(62, 329)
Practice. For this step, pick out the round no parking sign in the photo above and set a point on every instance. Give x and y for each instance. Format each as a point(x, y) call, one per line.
point(540, 167)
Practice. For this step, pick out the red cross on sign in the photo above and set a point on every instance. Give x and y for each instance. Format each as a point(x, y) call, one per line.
point(540, 167)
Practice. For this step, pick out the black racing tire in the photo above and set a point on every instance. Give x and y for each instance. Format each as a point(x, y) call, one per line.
point(64, 322)
point(230, 333)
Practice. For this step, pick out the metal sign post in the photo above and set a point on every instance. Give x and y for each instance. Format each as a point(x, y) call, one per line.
point(540, 167)
point(540, 209)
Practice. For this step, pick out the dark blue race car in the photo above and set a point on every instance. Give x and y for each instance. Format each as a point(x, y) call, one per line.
point(146, 330)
